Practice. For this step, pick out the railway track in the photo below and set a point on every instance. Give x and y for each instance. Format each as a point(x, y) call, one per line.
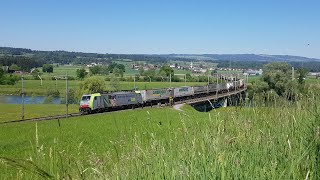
point(187, 101)
point(43, 118)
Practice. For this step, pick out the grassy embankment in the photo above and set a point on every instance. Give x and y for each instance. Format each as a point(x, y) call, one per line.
point(277, 142)
point(11, 112)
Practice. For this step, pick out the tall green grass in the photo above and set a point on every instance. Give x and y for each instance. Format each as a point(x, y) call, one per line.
point(11, 112)
point(280, 141)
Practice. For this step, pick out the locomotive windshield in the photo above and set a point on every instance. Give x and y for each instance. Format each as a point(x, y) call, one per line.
point(85, 98)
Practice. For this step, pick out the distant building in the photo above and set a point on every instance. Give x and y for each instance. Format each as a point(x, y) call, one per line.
point(253, 72)
point(92, 64)
point(149, 67)
point(316, 74)
point(198, 70)
point(313, 73)
point(191, 65)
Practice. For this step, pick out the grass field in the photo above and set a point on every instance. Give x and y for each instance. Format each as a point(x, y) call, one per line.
point(61, 71)
point(33, 87)
point(14, 111)
point(277, 142)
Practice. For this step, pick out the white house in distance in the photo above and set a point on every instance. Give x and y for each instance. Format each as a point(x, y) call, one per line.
point(93, 64)
point(253, 72)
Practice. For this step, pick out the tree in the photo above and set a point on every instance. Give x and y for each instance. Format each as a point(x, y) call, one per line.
point(14, 67)
point(95, 70)
point(99, 70)
point(122, 67)
point(112, 66)
point(189, 77)
point(11, 79)
point(117, 72)
point(92, 85)
point(277, 75)
point(141, 71)
point(260, 87)
point(214, 72)
point(104, 70)
point(73, 97)
point(81, 73)
point(6, 79)
point(167, 70)
point(151, 73)
point(47, 68)
point(1, 76)
point(114, 83)
point(302, 74)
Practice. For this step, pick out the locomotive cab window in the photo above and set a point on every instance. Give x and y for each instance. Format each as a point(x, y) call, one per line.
point(85, 98)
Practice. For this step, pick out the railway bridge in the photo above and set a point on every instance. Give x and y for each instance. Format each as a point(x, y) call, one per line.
point(207, 103)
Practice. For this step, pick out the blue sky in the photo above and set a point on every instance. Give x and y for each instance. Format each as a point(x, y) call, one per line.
point(163, 26)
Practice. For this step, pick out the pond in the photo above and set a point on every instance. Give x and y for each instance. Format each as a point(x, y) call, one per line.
point(14, 99)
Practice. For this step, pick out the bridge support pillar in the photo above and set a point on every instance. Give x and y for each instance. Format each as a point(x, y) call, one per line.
point(225, 102)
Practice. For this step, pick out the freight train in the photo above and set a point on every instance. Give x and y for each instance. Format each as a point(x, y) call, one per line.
point(101, 102)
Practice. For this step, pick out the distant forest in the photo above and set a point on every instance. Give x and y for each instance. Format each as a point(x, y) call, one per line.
point(27, 59)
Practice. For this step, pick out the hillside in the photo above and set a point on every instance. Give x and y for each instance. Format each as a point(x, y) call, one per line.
point(28, 58)
point(245, 57)
point(217, 57)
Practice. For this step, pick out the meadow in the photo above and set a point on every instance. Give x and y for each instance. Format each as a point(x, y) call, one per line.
point(276, 142)
point(33, 87)
point(11, 112)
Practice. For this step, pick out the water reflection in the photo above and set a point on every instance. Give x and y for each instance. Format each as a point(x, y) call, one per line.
point(14, 99)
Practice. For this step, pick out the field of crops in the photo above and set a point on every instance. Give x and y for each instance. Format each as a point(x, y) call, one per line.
point(277, 142)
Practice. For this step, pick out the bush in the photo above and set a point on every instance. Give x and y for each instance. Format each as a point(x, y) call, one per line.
point(53, 93)
point(93, 84)
point(73, 97)
point(9, 79)
point(175, 79)
point(71, 78)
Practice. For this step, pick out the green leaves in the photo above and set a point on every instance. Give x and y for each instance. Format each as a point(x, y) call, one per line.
point(93, 84)
point(47, 68)
point(81, 73)
point(166, 70)
point(277, 76)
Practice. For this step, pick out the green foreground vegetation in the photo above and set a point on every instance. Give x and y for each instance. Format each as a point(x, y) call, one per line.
point(276, 138)
point(11, 112)
point(279, 141)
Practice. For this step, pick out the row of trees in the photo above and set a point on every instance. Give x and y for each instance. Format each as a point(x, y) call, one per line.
point(23, 63)
point(164, 72)
point(115, 68)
